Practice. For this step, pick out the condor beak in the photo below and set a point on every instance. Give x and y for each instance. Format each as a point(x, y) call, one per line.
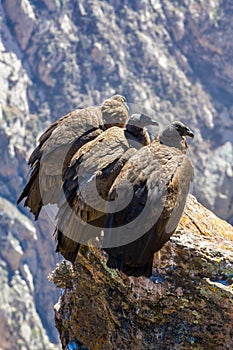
point(154, 122)
point(190, 133)
point(147, 121)
point(126, 106)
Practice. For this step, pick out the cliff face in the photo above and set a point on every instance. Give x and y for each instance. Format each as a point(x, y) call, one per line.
point(23, 298)
point(175, 58)
point(172, 57)
point(187, 303)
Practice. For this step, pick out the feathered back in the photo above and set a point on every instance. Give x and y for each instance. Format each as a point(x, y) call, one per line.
point(59, 143)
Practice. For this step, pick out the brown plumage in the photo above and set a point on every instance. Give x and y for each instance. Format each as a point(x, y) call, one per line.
point(58, 144)
point(157, 177)
point(88, 179)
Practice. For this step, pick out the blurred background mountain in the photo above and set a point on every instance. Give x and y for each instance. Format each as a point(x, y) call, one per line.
point(174, 57)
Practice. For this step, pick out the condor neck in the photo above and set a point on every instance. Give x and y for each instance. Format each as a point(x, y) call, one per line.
point(172, 138)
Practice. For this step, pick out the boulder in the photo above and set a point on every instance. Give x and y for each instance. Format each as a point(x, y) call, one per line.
point(186, 304)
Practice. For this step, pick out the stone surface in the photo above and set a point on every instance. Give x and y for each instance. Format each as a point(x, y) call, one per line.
point(22, 18)
point(187, 303)
point(21, 326)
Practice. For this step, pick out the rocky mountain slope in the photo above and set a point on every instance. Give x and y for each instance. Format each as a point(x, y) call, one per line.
point(174, 58)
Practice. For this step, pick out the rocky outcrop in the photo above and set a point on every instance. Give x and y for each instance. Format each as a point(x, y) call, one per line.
point(186, 304)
